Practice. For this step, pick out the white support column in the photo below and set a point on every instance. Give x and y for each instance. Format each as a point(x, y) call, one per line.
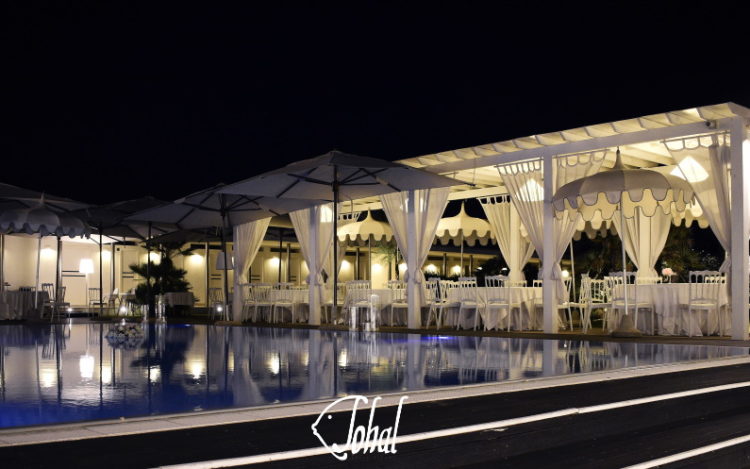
point(550, 307)
point(314, 297)
point(412, 292)
point(740, 182)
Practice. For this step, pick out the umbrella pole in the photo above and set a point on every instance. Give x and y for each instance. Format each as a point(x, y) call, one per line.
point(208, 279)
point(627, 327)
point(38, 262)
point(101, 276)
point(2, 262)
point(150, 305)
point(226, 264)
point(281, 248)
point(572, 269)
point(335, 239)
point(462, 253)
point(369, 258)
point(58, 278)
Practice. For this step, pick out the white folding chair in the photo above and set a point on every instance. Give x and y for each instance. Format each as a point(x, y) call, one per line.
point(398, 297)
point(618, 287)
point(283, 298)
point(468, 299)
point(449, 298)
point(498, 299)
point(594, 297)
point(705, 288)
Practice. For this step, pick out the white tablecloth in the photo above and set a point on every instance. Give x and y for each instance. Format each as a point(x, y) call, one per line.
point(21, 304)
point(526, 296)
point(179, 299)
point(666, 299)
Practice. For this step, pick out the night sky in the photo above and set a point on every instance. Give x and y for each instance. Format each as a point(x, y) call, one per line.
point(115, 100)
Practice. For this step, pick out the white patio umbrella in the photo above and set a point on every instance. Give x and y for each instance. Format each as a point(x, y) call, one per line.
point(213, 208)
point(622, 190)
point(463, 228)
point(335, 176)
point(46, 215)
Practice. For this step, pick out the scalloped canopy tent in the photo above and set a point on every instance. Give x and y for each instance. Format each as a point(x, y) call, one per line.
point(622, 194)
point(463, 228)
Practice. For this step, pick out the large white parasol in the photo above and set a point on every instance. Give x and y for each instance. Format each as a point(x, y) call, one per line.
point(622, 190)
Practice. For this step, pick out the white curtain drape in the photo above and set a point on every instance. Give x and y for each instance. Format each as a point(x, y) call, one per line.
point(644, 238)
point(525, 185)
point(505, 223)
point(704, 163)
point(429, 205)
point(247, 239)
point(314, 227)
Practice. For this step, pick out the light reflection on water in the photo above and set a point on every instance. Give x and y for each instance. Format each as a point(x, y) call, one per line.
point(65, 373)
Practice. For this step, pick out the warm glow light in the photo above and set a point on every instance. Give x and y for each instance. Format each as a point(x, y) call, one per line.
point(690, 170)
point(86, 366)
point(86, 266)
point(402, 267)
point(123, 309)
point(377, 268)
point(431, 268)
point(565, 274)
point(106, 374)
point(531, 191)
point(343, 359)
point(305, 359)
point(155, 373)
point(456, 269)
point(273, 364)
point(197, 368)
point(48, 378)
point(346, 265)
point(48, 253)
point(106, 255)
point(274, 261)
point(196, 259)
point(155, 257)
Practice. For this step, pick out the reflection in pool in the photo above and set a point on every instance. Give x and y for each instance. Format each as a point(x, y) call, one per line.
point(65, 373)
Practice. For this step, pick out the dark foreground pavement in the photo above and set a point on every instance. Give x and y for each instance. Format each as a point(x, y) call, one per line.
point(613, 438)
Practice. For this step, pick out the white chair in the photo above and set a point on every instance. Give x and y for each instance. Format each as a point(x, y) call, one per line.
point(563, 307)
point(468, 299)
point(260, 294)
point(618, 287)
point(432, 300)
point(498, 299)
point(216, 302)
point(594, 297)
point(94, 297)
point(282, 298)
point(398, 297)
point(357, 298)
point(300, 297)
point(705, 289)
point(449, 298)
point(331, 313)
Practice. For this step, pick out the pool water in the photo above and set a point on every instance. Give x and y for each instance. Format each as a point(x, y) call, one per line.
point(74, 372)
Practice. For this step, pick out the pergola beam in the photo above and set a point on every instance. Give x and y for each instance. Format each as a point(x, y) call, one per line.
point(596, 143)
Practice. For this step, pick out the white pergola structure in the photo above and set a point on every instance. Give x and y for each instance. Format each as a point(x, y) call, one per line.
point(642, 143)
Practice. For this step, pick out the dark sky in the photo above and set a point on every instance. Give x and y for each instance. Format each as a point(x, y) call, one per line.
point(115, 100)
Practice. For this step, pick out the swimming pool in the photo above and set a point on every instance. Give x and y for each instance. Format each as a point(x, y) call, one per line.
point(73, 372)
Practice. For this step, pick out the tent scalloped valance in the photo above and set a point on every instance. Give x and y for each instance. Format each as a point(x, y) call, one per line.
point(603, 192)
point(474, 229)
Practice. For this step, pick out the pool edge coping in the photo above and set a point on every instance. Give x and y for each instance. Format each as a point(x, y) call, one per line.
point(76, 431)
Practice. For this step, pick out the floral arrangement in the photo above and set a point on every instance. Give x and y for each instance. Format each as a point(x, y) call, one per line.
point(667, 271)
point(125, 335)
